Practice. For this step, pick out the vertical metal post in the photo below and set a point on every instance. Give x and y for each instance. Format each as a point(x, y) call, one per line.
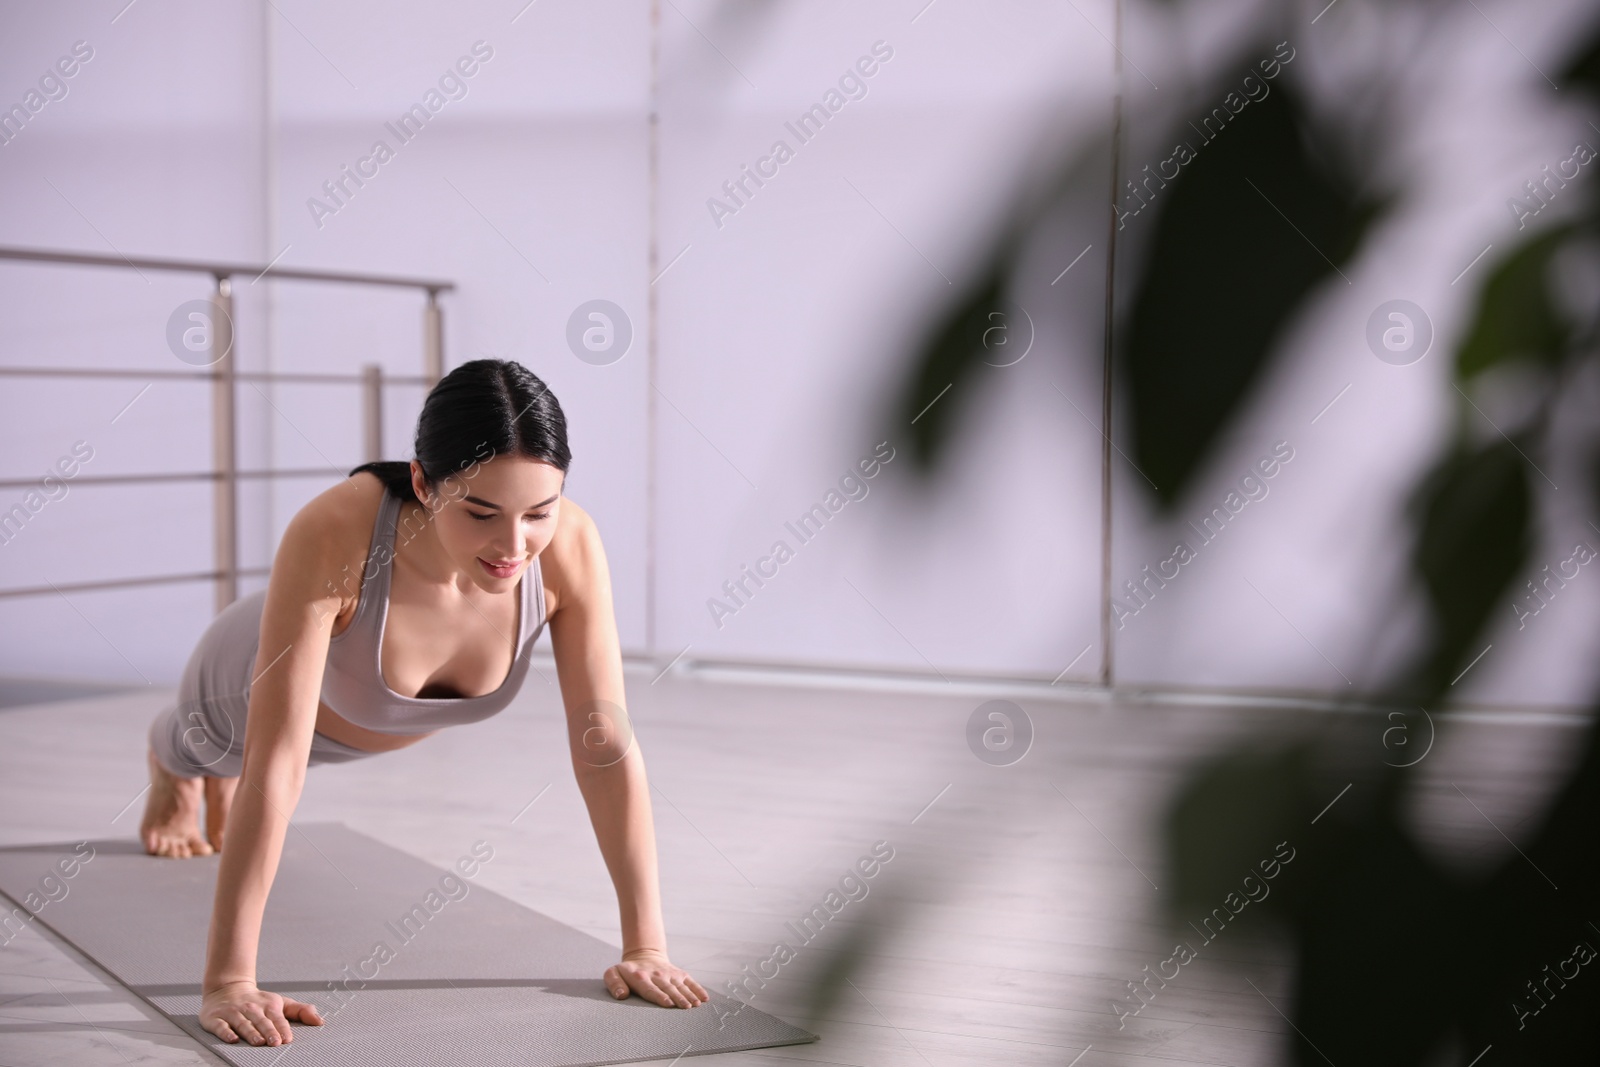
point(652, 341)
point(372, 410)
point(224, 455)
point(432, 340)
point(1108, 676)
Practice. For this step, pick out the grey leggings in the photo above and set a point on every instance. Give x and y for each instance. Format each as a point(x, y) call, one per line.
point(203, 733)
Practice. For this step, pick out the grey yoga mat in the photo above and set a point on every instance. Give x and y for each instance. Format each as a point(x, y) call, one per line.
point(409, 963)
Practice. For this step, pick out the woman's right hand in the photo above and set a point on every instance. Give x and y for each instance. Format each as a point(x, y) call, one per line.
point(239, 1009)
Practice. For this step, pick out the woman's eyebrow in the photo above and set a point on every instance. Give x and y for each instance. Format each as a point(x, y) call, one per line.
point(482, 503)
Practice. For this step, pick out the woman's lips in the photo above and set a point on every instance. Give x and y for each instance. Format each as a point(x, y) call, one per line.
point(500, 570)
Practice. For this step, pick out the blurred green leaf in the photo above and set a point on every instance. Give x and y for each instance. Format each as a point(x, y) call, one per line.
point(1243, 233)
point(1516, 318)
point(1583, 72)
point(1226, 820)
point(970, 331)
point(944, 362)
point(1546, 894)
point(1472, 518)
point(1376, 911)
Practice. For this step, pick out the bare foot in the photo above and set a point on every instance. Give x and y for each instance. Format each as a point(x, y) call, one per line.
point(219, 798)
point(171, 824)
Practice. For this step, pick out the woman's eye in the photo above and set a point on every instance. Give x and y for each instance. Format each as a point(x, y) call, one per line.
point(486, 518)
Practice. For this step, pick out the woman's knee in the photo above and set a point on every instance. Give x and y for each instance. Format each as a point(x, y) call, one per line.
point(200, 737)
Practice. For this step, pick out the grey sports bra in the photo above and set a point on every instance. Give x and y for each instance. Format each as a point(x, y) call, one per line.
point(352, 681)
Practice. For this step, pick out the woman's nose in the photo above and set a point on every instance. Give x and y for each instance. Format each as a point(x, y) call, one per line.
point(516, 548)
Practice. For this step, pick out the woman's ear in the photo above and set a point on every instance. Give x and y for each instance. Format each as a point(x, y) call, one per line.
point(418, 485)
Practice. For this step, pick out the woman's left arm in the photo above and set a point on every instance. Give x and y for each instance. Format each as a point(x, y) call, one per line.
point(607, 762)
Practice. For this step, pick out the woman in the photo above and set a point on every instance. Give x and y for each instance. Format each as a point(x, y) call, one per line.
point(391, 604)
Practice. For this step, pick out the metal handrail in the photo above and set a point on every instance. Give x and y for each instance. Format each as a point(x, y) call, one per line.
point(224, 378)
point(176, 476)
point(202, 375)
point(124, 583)
point(221, 270)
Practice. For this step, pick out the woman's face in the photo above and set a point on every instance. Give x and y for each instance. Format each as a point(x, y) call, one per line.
point(499, 512)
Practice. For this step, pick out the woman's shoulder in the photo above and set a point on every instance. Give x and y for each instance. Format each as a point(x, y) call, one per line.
point(330, 534)
point(344, 513)
point(570, 564)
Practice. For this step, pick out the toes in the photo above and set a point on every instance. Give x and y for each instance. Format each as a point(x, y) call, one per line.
point(177, 847)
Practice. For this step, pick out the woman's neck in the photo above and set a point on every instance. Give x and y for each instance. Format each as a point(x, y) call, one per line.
point(424, 555)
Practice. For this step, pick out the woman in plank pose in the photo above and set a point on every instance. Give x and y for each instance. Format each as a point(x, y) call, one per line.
point(388, 615)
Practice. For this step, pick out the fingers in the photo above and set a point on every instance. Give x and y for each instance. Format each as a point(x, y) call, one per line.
point(261, 1027)
point(279, 1024)
point(686, 992)
point(674, 985)
point(668, 986)
point(650, 988)
point(660, 991)
point(616, 984)
point(619, 979)
point(255, 1017)
point(265, 1023)
point(221, 1029)
point(245, 1028)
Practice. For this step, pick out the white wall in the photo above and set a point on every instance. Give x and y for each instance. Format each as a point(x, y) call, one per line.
point(156, 149)
point(1310, 587)
point(785, 324)
point(198, 131)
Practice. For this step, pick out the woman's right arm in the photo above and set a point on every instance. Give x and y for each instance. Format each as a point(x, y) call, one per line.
point(296, 623)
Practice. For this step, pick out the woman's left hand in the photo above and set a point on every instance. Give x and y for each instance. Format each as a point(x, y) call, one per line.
point(654, 977)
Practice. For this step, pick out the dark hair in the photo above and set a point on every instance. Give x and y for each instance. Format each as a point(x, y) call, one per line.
point(483, 408)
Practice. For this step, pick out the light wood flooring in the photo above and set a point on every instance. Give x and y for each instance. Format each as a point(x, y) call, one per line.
point(1019, 902)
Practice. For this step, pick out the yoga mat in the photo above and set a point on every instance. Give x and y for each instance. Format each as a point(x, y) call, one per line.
point(464, 975)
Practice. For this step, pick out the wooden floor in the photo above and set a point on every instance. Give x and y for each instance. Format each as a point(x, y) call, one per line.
point(1019, 902)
